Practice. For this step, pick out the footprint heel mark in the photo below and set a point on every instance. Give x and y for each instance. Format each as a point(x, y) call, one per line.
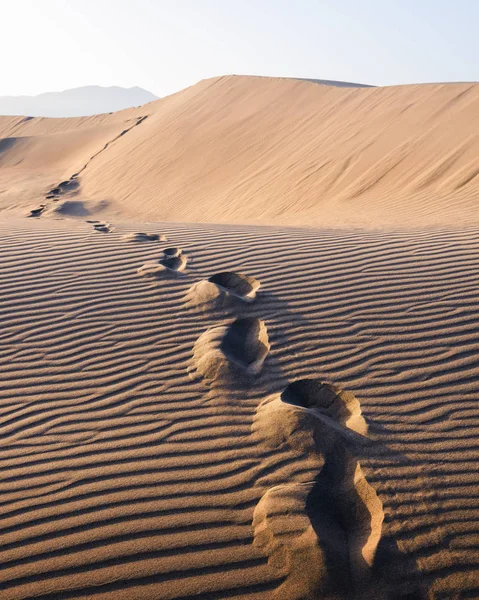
point(239, 348)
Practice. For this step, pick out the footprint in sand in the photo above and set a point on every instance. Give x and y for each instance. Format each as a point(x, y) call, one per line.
point(173, 262)
point(298, 415)
point(332, 524)
point(240, 347)
point(174, 259)
point(144, 237)
point(36, 212)
point(324, 534)
point(102, 227)
point(222, 286)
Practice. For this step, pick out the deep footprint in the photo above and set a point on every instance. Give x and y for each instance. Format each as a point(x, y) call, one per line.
point(307, 412)
point(328, 400)
point(173, 261)
point(36, 212)
point(240, 285)
point(243, 345)
point(172, 252)
point(102, 227)
point(324, 533)
point(221, 288)
point(332, 524)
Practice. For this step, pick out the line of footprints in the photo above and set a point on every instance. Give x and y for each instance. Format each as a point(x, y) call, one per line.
point(323, 534)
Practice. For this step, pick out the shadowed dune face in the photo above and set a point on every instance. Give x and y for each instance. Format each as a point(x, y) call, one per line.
point(242, 345)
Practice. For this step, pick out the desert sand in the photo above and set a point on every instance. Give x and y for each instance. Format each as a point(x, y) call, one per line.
point(239, 346)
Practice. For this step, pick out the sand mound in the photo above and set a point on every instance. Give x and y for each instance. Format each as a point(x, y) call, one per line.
point(151, 269)
point(243, 345)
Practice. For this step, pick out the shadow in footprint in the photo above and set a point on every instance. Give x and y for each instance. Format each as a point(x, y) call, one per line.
point(346, 515)
point(246, 344)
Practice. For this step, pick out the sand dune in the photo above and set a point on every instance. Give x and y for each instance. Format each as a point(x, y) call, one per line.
point(193, 410)
point(262, 150)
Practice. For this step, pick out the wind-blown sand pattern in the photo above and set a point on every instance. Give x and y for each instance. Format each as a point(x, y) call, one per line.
point(119, 479)
point(132, 470)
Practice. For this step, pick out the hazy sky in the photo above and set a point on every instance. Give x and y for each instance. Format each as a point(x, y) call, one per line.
point(165, 45)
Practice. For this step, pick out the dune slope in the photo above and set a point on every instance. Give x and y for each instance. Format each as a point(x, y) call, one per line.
point(262, 150)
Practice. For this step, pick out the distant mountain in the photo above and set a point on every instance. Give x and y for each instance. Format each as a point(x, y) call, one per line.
point(77, 102)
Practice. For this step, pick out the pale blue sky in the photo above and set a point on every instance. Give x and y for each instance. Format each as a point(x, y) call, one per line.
point(51, 45)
